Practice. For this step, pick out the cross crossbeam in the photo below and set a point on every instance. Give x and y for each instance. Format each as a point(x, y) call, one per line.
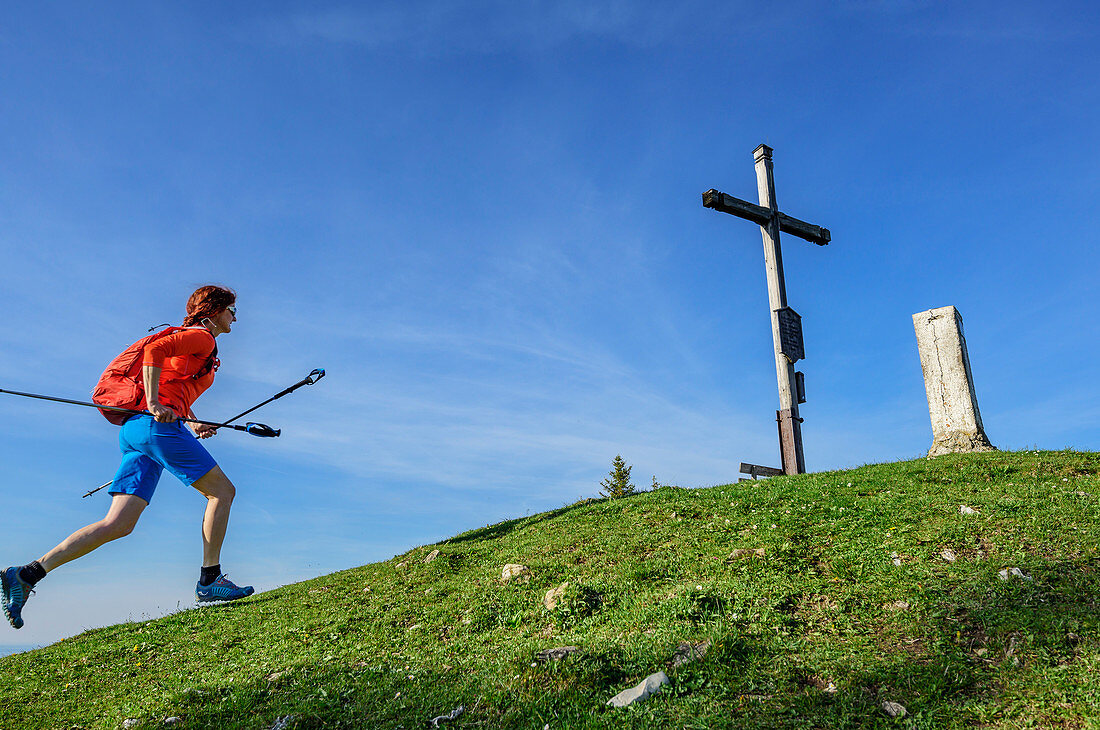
point(761, 216)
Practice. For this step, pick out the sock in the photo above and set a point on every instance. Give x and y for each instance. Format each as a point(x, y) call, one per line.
point(209, 575)
point(32, 572)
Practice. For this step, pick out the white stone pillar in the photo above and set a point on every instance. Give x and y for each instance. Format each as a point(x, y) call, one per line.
point(949, 384)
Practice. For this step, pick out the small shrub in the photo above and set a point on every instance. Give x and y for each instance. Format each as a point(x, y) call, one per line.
point(618, 482)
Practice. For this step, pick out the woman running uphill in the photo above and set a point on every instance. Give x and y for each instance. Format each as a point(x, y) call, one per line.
point(177, 368)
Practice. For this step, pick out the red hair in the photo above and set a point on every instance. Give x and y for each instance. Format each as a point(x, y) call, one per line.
point(208, 301)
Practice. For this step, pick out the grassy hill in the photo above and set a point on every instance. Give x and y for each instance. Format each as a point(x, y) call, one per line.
point(853, 603)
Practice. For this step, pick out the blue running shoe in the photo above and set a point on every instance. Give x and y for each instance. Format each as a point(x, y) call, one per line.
point(16, 593)
point(222, 589)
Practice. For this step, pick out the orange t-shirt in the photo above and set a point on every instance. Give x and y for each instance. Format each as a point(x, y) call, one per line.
point(181, 356)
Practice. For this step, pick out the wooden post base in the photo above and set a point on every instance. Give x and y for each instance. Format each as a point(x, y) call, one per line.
point(790, 441)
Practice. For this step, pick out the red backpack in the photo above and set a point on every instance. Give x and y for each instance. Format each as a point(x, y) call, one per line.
point(121, 384)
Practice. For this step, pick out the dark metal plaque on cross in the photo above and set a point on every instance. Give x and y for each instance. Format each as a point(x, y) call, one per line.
point(790, 334)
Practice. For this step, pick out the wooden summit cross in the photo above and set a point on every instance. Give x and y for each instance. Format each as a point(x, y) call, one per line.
point(786, 323)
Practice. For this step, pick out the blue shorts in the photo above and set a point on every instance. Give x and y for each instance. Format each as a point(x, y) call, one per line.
point(149, 447)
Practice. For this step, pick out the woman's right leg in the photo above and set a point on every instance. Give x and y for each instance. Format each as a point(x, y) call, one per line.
point(213, 584)
point(120, 520)
point(219, 493)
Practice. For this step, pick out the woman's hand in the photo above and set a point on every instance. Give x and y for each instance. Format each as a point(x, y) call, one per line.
point(203, 431)
point(162, 413)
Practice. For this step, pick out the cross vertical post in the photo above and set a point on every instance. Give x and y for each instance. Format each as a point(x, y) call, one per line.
point(790, 425)
point(786, 323)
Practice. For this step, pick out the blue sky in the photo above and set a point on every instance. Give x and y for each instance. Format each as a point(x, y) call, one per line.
point(484, 220)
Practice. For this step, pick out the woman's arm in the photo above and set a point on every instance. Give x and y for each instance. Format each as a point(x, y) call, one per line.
point(151, 376)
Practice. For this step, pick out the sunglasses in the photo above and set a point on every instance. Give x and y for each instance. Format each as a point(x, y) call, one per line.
point(232, 310)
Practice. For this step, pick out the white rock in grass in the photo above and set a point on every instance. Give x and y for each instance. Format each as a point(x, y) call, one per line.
point(648, 687)
point(173, 720)
point(1007, 573)
point(893, 709)
point(553, 596)
point(281, 723)
point(557, 654)
point(431, 556)
point(512, 571)
point(129, 723)
point(454, 715)
point(964, 510)
point(949, 555)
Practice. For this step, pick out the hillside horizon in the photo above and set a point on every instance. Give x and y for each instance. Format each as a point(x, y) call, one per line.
point(826, 599)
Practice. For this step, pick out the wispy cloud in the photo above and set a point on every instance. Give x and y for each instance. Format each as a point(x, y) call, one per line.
point(542, 412)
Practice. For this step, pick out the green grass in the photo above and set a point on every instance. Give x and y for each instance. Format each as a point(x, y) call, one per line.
point(394, 644)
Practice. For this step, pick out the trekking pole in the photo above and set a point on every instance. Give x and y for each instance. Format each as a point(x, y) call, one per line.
point(314, 375)
point(102, 486)
point(256, 429)
point(310, 379)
